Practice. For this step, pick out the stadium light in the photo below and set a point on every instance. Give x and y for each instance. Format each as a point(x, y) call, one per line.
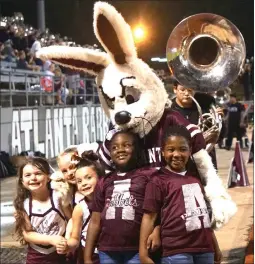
point(139, 33)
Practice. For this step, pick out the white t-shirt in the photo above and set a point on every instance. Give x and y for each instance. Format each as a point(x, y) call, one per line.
point(35, 47)
point(49, 220)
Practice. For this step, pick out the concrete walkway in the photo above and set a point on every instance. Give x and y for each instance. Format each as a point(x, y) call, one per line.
point(233, 238)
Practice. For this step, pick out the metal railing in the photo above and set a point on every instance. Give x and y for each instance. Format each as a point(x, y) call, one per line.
point(24, 88)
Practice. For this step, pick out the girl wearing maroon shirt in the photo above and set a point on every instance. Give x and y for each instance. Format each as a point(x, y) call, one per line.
point(117, 207)
point(178, 197)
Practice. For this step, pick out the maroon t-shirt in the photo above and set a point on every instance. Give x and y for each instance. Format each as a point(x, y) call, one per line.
point(120, 201)
point(185, 222)
point(153, 141)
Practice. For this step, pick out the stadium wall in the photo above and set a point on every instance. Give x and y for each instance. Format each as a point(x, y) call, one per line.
point(50, 129)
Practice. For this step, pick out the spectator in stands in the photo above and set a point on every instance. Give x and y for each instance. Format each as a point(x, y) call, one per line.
point(35, 47)
point(30, 58)
point(2, 56)
point(8, 51)
point(59, 86)
point(7, 33)
point(23, 64)
point(49, 69)
point(16, 53)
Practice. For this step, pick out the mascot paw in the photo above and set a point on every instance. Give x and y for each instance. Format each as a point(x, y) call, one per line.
point(61, 187)
point(222, 209)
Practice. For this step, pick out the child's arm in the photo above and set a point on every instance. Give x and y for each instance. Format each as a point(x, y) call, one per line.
point(217, 255)
point(36, 238)
point(92, 235)
point(77, 220)
point(69, 228)
point(154, 241)
point(147, 227)
point(67, 210)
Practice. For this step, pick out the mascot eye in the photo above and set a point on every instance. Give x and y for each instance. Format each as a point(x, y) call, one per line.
point(132, 95)
point(130, 99)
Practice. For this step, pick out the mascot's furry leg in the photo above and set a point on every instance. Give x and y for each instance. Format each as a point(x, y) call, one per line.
point(223, 207)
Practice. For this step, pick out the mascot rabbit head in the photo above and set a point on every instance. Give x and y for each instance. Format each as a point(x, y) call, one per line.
point(131, 94)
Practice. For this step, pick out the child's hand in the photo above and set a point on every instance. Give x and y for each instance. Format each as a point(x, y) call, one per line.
point(57, 240)
point(154, 242)
point(62, 247)
point(145, 259)
point(218, 257)
point(88, 261)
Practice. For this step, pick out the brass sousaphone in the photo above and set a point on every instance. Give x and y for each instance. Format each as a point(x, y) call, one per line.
point(206, 52)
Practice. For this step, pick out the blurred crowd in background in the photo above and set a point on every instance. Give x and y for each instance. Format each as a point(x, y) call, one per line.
point(19, 42)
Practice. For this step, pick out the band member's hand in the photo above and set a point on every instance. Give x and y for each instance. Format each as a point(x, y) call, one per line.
point(211, 137)
point(219, 111)
point(154, 242)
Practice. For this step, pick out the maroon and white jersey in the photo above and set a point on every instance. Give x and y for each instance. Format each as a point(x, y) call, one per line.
point(85, 205)
point(185, 222)
point(48, 221)
point(153, 141)
point(76, 197)
point(119, 198)
point(85, 220)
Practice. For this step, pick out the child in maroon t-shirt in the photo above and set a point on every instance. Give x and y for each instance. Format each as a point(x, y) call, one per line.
point(117, 207)
point(178, 198)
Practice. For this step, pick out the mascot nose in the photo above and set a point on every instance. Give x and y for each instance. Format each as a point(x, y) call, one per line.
point(122, 117)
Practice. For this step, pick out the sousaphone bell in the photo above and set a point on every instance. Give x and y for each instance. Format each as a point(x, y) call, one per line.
point(205, 52)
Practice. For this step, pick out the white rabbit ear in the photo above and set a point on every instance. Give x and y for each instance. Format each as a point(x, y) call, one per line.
point(77, 58)
point(114, 33)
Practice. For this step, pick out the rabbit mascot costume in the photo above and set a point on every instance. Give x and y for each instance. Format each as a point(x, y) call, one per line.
point(133, 97)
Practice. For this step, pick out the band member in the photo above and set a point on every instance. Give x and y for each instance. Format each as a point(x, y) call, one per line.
point(235, 121)
point(184, 104)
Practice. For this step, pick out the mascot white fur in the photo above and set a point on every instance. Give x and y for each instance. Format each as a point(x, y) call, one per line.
point(133, 97)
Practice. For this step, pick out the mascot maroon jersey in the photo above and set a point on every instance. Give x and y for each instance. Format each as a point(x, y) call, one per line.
point(185, 222)
point(120, 199)
point(153, 141)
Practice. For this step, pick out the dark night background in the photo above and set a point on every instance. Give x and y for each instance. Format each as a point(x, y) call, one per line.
point(73, 18)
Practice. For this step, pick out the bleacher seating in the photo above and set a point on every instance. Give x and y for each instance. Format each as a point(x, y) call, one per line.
point(18, 86)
